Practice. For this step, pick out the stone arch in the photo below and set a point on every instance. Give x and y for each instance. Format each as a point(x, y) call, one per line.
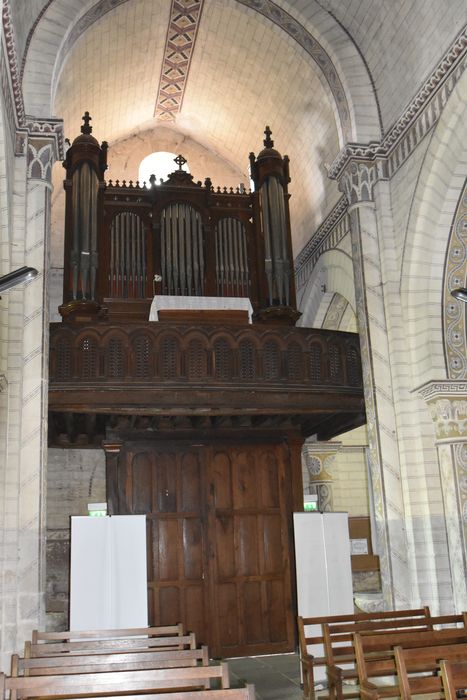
point(337, 60)
point(333, 273)
point(424, 297)
point(5, 185)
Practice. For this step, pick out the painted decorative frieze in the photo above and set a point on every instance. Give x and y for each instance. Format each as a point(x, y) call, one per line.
point(455, 275)
point(317, 458)
point(183, 26)
point(447, 401)
point(358, 180)
point(326, 237)
point(40, 158)
point(417, 120)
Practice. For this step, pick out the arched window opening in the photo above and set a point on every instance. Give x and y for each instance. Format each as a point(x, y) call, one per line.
point(160, 164)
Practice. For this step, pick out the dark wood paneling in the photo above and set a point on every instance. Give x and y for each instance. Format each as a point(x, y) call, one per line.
point(217, 540)
point(251, 564)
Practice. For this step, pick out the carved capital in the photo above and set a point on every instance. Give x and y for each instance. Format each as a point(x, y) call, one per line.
point(40, 158)
point(357, 181)
point(447, 401)
point(47, 128)
point(317, 457)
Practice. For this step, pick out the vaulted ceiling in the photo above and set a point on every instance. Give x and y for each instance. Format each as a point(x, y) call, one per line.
point(217, 71)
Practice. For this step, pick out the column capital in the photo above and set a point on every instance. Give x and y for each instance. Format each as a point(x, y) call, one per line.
point(41, 141)
point(357, 181)
point(447, 401)
point(317, 456)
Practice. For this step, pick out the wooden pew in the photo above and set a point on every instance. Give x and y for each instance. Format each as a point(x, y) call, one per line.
point(94, 645)
point(115, 661)
point(411, 663)
point(375, 656)
point(454, 679)
point(339, 644)
point(116, 683)
point(245, 693)
point(39, 636)
point(406, 618)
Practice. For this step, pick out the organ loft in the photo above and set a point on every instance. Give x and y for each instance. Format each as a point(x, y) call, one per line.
point(178, 352)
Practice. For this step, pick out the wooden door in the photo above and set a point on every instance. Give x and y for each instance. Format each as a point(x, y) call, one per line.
point(250, 570)
point(217, 540)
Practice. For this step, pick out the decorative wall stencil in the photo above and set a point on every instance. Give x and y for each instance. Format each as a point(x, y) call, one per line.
point(448, 407)
point(333, 229)
point(335, 312)
point(460, 452)
point(50, 130)
point(418, 119)
point(316, 458)
point(358, 180)
point(15, 79)
point(295, 30)
point(455, 275)
point(179, 44)
point(40, 160)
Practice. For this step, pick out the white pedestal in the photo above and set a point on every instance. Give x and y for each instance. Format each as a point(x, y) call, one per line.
point(108, 584)
point(324, 574)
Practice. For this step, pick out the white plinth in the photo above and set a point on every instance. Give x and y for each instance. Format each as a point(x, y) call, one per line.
point(159, 303)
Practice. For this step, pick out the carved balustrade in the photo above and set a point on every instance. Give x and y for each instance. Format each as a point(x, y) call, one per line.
point(159, 353)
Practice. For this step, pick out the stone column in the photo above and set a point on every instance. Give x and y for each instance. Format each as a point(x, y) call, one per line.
point(33, 447)
point(447, 401)
point(357, 182)
point(23, 472)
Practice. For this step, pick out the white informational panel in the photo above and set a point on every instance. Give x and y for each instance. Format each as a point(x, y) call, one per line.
point(108, 580)
point(324, 574)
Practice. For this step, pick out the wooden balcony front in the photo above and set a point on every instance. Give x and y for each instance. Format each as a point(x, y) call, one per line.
point(206, 375)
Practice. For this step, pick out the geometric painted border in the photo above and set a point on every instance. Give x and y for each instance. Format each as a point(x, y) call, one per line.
point(455, 275)
point(183, 26)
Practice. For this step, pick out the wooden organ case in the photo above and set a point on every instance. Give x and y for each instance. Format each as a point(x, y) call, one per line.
point(201, 414)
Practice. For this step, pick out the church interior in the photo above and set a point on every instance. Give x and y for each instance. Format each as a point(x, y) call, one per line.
point(247, 218)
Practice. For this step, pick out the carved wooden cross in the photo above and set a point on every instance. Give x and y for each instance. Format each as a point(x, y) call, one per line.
point(180, 160)
point(86, 127)
point(268, 142)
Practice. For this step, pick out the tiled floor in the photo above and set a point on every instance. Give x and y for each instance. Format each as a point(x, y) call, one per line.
point(275, 677)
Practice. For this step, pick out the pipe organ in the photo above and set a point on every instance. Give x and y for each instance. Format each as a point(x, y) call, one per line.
point(125, 242)
point(201, 414)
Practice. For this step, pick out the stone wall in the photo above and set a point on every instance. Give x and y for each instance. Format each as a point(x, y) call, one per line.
point(75, 478)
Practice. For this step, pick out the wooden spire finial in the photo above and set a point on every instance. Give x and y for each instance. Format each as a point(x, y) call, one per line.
point(268, 142)
point(86, 128)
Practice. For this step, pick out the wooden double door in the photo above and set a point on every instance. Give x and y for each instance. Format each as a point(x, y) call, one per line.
point(218, 539)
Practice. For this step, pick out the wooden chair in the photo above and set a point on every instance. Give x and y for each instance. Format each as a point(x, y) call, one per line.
point(392, 618)
point(418, 668)
point(454, 679)
point(375, 656)
point(339, 648)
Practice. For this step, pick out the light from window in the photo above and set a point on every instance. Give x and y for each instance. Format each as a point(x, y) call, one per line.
point(160, 164)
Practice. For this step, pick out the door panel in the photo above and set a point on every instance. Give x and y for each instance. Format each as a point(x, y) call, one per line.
point(250, 566)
